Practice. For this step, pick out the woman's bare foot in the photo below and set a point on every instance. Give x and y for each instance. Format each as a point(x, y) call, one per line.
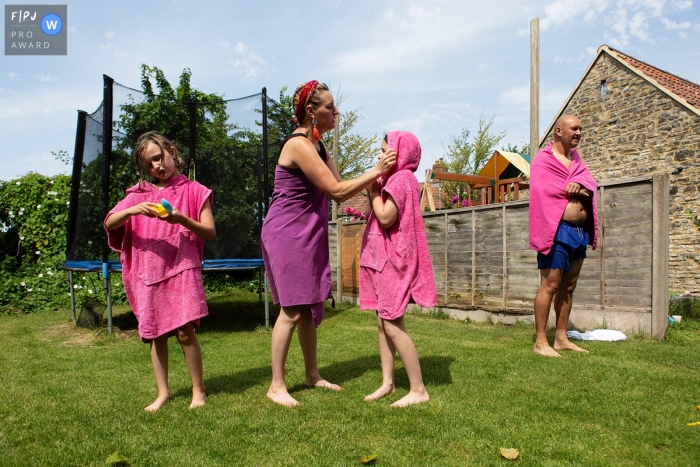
point(568, 345)
point(412, 398)
point(321, 383)
point(282, 397)
point(198, 399)
point(158, 403)
point(546, 350)
point(384, 390)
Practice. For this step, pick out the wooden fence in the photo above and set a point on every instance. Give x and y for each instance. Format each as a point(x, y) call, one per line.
point(482, 260)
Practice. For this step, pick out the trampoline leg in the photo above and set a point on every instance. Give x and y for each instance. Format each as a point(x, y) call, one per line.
point(72, 295)
point(267, 306)
point(108, 293)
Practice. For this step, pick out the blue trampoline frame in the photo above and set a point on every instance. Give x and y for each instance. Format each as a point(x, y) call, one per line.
point(114, 266)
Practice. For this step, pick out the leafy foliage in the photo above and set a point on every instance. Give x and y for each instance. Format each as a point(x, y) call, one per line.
point(226, 155)
point(34, 215)
point(468, 155)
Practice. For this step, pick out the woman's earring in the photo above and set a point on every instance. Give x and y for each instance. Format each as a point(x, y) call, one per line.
point(316, 135)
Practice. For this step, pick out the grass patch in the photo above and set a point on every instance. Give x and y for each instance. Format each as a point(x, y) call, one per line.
point(74, 396)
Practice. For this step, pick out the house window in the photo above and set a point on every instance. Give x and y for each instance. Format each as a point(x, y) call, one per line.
point(603, 88)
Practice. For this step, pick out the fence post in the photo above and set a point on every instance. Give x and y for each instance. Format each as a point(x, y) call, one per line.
point(339, 262)
point(659, 272)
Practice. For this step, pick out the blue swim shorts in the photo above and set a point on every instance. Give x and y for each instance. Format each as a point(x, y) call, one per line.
point(569, 245)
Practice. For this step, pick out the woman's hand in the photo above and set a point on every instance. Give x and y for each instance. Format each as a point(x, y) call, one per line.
point(386, 160)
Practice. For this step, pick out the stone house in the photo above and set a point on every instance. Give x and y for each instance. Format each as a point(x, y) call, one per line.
point(639, 120)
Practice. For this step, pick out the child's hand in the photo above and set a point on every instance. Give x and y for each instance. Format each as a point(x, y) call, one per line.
point(386, 160)
point(146, 209)
point(175, 217)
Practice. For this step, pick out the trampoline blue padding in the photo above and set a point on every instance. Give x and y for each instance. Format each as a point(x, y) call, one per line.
point(209, 265)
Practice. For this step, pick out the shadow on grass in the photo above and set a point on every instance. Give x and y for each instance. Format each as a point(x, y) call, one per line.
point(435, 369)
point(228, 313)
point(236, 314)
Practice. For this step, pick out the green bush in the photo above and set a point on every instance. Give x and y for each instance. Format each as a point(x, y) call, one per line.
point(33, 234)
point(687, 307)
point(33, 219)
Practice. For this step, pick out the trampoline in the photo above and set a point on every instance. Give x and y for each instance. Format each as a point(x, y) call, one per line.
point(103, 168)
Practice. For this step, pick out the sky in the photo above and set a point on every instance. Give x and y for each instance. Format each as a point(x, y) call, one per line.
point(431, 67)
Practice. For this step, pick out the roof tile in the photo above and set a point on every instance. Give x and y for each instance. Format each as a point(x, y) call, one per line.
point(678, 86)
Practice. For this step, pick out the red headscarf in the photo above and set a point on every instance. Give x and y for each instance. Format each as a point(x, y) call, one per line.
point(307, 92)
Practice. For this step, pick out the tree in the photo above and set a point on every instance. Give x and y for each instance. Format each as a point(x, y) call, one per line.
point(357, 152)
point(468, 156)
point(522, 149)
point(226, 154)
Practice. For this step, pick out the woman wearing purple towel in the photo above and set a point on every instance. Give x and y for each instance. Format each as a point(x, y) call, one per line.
point(295, 233)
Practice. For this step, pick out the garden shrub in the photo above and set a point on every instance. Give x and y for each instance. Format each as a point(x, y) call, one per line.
point(685, 306)
point(33, 235)
point(33, 219)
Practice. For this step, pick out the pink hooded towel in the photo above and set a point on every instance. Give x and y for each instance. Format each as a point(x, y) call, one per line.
point(162, 262)
point(548, 200)
point(395, 267)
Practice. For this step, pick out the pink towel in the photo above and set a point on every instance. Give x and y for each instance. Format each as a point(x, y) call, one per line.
point(162, 262)
point(395, 267)
point(548, 200)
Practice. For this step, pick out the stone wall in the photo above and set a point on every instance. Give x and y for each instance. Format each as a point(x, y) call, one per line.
point(636, 129)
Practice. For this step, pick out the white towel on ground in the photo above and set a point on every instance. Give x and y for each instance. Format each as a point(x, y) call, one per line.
point(598, 335)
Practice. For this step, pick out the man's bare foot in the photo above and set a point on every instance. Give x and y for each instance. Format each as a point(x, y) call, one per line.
point(412, 398)
point(568, 345)
point(321, 383)
point(158, 403)
point(198, 400)
point(546, 350)
point(384, 390)
point(282, 397)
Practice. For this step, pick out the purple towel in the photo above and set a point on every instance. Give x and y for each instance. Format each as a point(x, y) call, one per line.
point(294, 243)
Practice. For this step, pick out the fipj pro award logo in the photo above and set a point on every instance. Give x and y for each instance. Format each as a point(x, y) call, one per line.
point(36, 30)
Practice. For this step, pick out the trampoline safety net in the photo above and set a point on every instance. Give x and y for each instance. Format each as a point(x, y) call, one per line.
point(222, 145)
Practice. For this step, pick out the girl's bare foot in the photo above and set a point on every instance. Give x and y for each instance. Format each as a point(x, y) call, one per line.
point(568, 345)
point(198, 400)
point(158, 403)
point(384, 390)
point(321, 383)
point(546, 350)
point(412, 398)
point(282, 397)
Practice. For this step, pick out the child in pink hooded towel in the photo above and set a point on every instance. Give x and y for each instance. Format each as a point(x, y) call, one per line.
point(395, 267)
point(161, 258)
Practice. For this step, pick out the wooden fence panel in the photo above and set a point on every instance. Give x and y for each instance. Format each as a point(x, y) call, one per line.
point(481, 256)
point(350, 251)
point(333, 252)
point(459, 258)
point(488, 291)
point(435, 232)
point(521, 275)
point(627, 226)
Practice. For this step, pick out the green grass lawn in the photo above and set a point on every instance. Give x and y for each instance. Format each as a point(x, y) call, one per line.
point(70, 397)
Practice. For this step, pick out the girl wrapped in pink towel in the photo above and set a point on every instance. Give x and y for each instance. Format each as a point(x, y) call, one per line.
point(161, 258)
point(395, 267)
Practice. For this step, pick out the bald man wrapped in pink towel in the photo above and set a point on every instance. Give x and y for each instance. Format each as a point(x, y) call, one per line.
point(563, 221)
